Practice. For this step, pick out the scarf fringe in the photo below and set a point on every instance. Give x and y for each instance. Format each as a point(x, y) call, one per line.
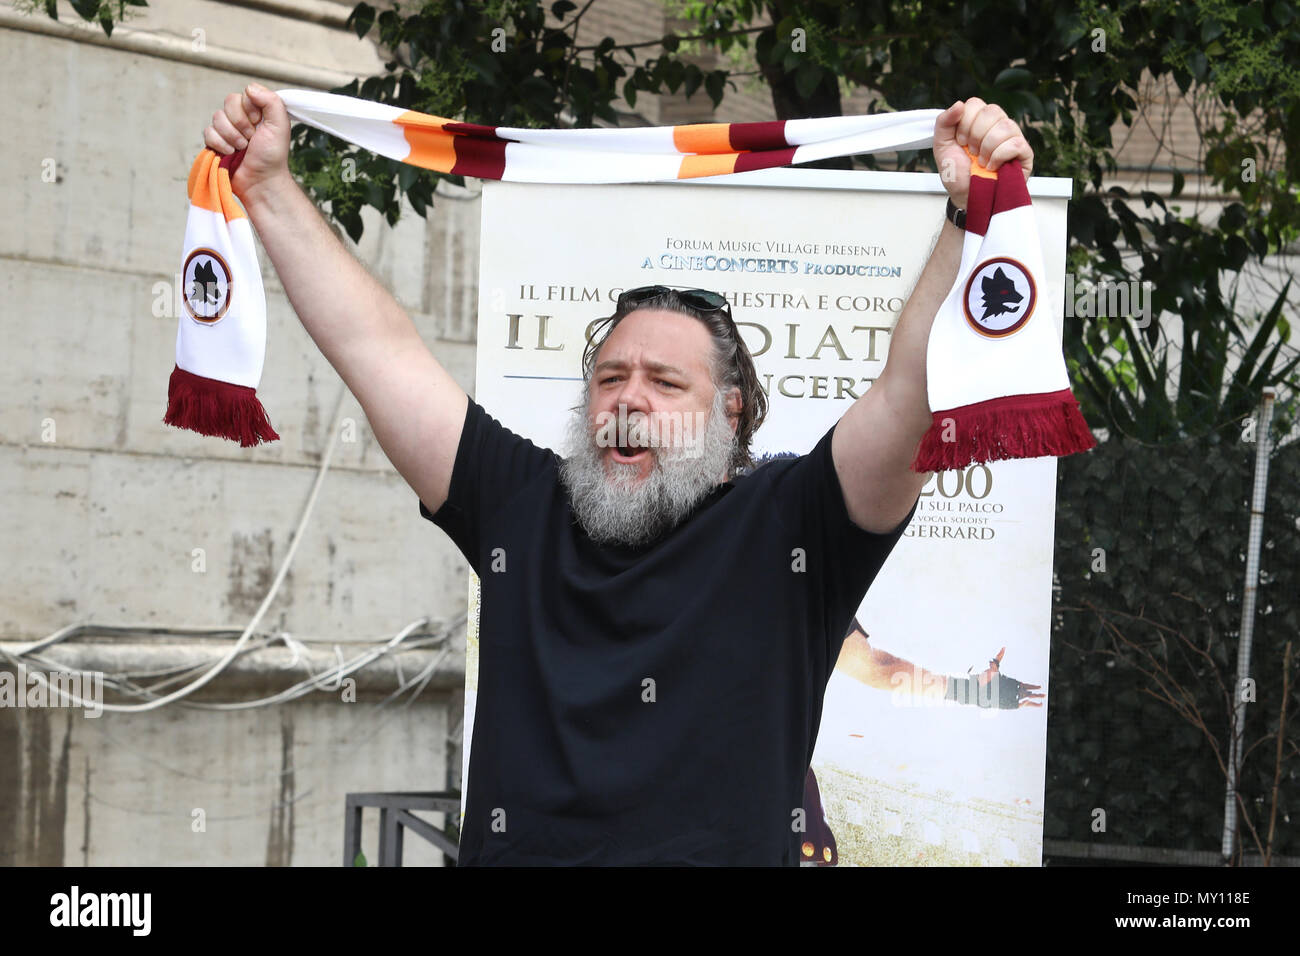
point(1015, 426)
point(215, 408)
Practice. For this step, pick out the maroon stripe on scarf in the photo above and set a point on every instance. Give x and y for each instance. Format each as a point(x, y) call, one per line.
point(988, 197)
point(752, 136)
point(480, 158)
point(1012, 191)
point(472, 129)
point(767, 159)
point(979, 204)
point(231, 161)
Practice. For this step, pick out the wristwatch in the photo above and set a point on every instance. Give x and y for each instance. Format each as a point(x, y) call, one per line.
point(955, 216)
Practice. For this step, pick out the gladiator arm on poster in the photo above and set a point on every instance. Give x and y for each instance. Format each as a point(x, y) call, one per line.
point(997, 382)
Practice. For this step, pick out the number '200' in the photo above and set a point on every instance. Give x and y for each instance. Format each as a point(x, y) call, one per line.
point(965, 480)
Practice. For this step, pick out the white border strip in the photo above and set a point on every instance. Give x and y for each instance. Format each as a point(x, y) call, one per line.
point(1047, 187)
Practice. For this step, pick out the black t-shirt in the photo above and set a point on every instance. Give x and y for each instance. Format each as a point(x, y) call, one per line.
point(657, 705)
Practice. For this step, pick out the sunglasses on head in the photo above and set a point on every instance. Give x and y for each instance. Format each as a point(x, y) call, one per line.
point(702, 300)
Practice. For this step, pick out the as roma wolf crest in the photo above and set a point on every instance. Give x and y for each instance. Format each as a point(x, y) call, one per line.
point(1000, 297)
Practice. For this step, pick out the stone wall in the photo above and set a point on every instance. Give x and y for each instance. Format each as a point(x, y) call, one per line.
point(113, 518)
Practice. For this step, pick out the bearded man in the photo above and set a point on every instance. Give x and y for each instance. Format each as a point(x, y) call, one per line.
point(656, 628)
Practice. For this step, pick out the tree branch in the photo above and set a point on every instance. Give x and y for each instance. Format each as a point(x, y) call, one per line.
point(666, 36)
point(1277, 764)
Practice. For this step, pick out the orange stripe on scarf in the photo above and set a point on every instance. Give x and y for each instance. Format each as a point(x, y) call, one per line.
point(431, 145)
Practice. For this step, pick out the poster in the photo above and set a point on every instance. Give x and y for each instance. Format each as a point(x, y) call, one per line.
point(817, 265)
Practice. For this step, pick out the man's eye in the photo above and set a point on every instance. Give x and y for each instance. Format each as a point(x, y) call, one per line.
point(615, 378)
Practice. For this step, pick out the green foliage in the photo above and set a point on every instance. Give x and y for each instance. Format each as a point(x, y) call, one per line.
point(104, 12)
point(498, 63)
point(351, 181)
point(1144, 654)
point(1068, 75)
point(1143, 384)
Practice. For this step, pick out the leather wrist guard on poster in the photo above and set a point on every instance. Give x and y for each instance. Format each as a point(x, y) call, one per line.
point(1004, 693)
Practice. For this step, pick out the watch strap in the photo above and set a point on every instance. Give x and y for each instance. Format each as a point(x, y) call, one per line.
point(956, 216)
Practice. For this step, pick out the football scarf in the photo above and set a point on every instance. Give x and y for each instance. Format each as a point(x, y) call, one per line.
point(995, 379)
point(221, 337)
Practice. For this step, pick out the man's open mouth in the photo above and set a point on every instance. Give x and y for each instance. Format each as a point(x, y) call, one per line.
point(626, 453)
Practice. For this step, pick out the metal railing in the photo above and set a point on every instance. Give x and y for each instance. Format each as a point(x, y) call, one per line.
point(395, 818)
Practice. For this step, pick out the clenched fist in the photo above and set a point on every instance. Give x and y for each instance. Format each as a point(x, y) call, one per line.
point(973, 126)
point(257, 122)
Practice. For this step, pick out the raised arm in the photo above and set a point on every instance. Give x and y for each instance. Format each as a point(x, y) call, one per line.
point(414, 406)
point(876, 439)
point(881, 670)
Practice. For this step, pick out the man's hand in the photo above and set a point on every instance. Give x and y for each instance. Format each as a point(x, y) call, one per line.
point(991, 689)
point(987, 132)
point(257, 122)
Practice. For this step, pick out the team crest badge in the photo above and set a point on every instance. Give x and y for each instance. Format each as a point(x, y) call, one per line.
point(207, 284)
point(1000, 297)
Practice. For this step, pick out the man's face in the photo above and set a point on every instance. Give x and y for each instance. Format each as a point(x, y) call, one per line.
point(656, 436)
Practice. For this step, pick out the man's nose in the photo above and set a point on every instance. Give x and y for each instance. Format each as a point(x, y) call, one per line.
point(635, 395)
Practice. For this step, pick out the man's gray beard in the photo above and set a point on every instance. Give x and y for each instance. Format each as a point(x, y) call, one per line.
point(613, 509)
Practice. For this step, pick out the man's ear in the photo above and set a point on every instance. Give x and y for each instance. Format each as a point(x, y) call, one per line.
point(734, 405)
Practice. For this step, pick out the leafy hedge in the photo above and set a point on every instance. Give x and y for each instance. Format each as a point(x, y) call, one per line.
point(1162, 620)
